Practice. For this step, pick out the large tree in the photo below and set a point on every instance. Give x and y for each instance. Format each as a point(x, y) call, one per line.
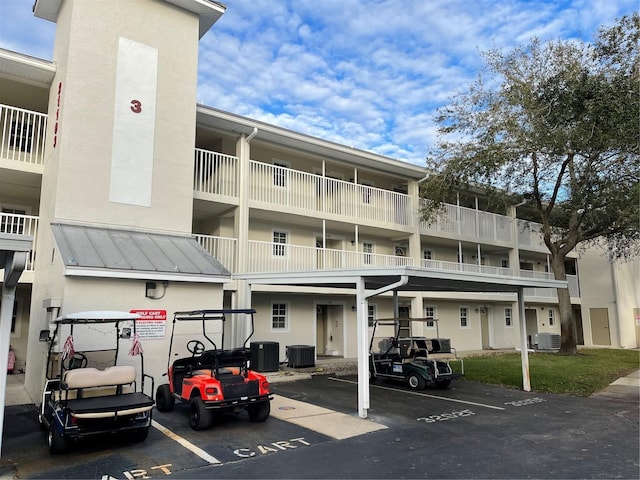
point(556, 123)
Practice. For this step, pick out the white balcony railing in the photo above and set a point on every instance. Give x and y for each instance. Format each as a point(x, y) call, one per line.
point(22, 135)
point(530, 234)
point(466, 267)
point(223, 249)
point(308, 193)
point(21, 225)
point(216, 173)
point(476, 225)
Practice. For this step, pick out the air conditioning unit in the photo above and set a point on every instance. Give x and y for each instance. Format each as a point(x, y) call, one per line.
point(300, 356)
point(548, 341)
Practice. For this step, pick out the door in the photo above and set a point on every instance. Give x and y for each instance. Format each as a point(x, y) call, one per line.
point(484, 328)
point(600, 326)
point(321, 329)
point(329, 330)
point(531, 317)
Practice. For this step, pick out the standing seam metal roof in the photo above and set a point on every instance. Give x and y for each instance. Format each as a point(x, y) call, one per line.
point(98, 248)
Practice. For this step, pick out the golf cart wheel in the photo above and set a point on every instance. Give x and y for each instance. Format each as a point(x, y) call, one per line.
point(164, 400)
point(415, 382)
point(58, 443)
point(443, 383)
point(259, 412)
point(199, 417)
point(140, 435)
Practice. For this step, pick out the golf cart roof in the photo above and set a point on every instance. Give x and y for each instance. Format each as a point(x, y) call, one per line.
point(211, 314)
point(98, 316)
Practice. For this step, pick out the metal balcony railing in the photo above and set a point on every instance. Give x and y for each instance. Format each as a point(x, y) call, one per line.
point(306, 193)
point(215, 173)
point(22, 135)
point(471, 224)
point(21, 225)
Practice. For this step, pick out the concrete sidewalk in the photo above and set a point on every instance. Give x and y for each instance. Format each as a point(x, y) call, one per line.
point(624, 389)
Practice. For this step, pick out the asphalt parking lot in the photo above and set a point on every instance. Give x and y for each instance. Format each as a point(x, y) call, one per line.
point(468, 431)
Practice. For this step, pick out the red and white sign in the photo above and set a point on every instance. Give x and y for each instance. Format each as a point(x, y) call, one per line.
point(151, 324)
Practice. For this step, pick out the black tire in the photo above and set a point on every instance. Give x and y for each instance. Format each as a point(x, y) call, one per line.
point(58, 443)
point(259, 412)
point(442, 384)
point(199, 417)
point(140, 435)
point(416, 382)
point(165, 401)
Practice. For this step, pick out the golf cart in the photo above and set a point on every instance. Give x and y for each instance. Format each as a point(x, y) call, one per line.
point(417, 361)
point(212, 378)
point(89, 392)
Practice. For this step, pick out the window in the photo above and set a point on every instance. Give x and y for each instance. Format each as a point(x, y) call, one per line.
point(21, 136)
point(464, 317)
point(367, 249)
point(12, 223)
point(366, 193)
point(371, 314)
point(279, 244)
point(551, 319)
point(279, 316)
point(430, 312)
point(508, 318)
point(427, 255)
point(280, 174)
point(504, 263)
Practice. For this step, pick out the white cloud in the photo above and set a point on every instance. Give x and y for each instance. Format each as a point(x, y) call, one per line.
point(366, 73)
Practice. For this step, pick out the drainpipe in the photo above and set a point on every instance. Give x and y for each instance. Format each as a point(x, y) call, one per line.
point(252, 134)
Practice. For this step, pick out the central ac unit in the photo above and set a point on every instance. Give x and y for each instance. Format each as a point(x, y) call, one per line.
point(548, 341)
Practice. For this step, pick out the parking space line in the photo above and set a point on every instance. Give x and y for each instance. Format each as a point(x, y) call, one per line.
point(186, 443)
point(422, 394)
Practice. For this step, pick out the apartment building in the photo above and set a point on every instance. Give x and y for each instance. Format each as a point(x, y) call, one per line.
point(139, 199)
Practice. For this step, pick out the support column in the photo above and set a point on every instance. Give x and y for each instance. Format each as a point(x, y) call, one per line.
point(524, 353)
point(363, 348)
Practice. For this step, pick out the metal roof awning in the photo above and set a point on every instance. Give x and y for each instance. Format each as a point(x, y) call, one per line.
point(369, 282)
point(106, 252)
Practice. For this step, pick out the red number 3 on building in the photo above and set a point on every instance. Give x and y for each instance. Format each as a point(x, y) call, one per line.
point(136, 106)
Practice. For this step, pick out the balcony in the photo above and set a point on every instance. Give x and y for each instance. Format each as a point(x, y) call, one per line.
point(277, 188)
point(22, 136)
point(469, 224)
point(292, 191)
point(21, 225)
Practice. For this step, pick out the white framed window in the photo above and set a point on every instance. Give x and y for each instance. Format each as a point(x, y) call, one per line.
point(552, 320)
point(367, 249)
point(401, 251)
point(371, 314)
point(280, 173)
point(280, 240)
point(279, 317)
point(366, 192)
point(13, 220)
point(504, 263)
point(464, 317)
point(508, 317)
point(427, 254)
point(21, 136)
point(15, 314)
point(430, 311)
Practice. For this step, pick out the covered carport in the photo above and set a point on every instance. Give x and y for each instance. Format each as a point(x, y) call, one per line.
point(14, 249)
point(369, 282)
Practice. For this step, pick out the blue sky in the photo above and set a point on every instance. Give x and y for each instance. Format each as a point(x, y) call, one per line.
point(364, 73)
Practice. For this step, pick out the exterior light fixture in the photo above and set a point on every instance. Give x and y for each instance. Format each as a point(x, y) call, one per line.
point(150, 290)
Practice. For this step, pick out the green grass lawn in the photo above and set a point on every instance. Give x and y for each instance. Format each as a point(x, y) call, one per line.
point(581, 375)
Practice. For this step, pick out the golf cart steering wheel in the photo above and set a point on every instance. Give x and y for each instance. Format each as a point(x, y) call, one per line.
point(77, 360)
point(195, 347)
